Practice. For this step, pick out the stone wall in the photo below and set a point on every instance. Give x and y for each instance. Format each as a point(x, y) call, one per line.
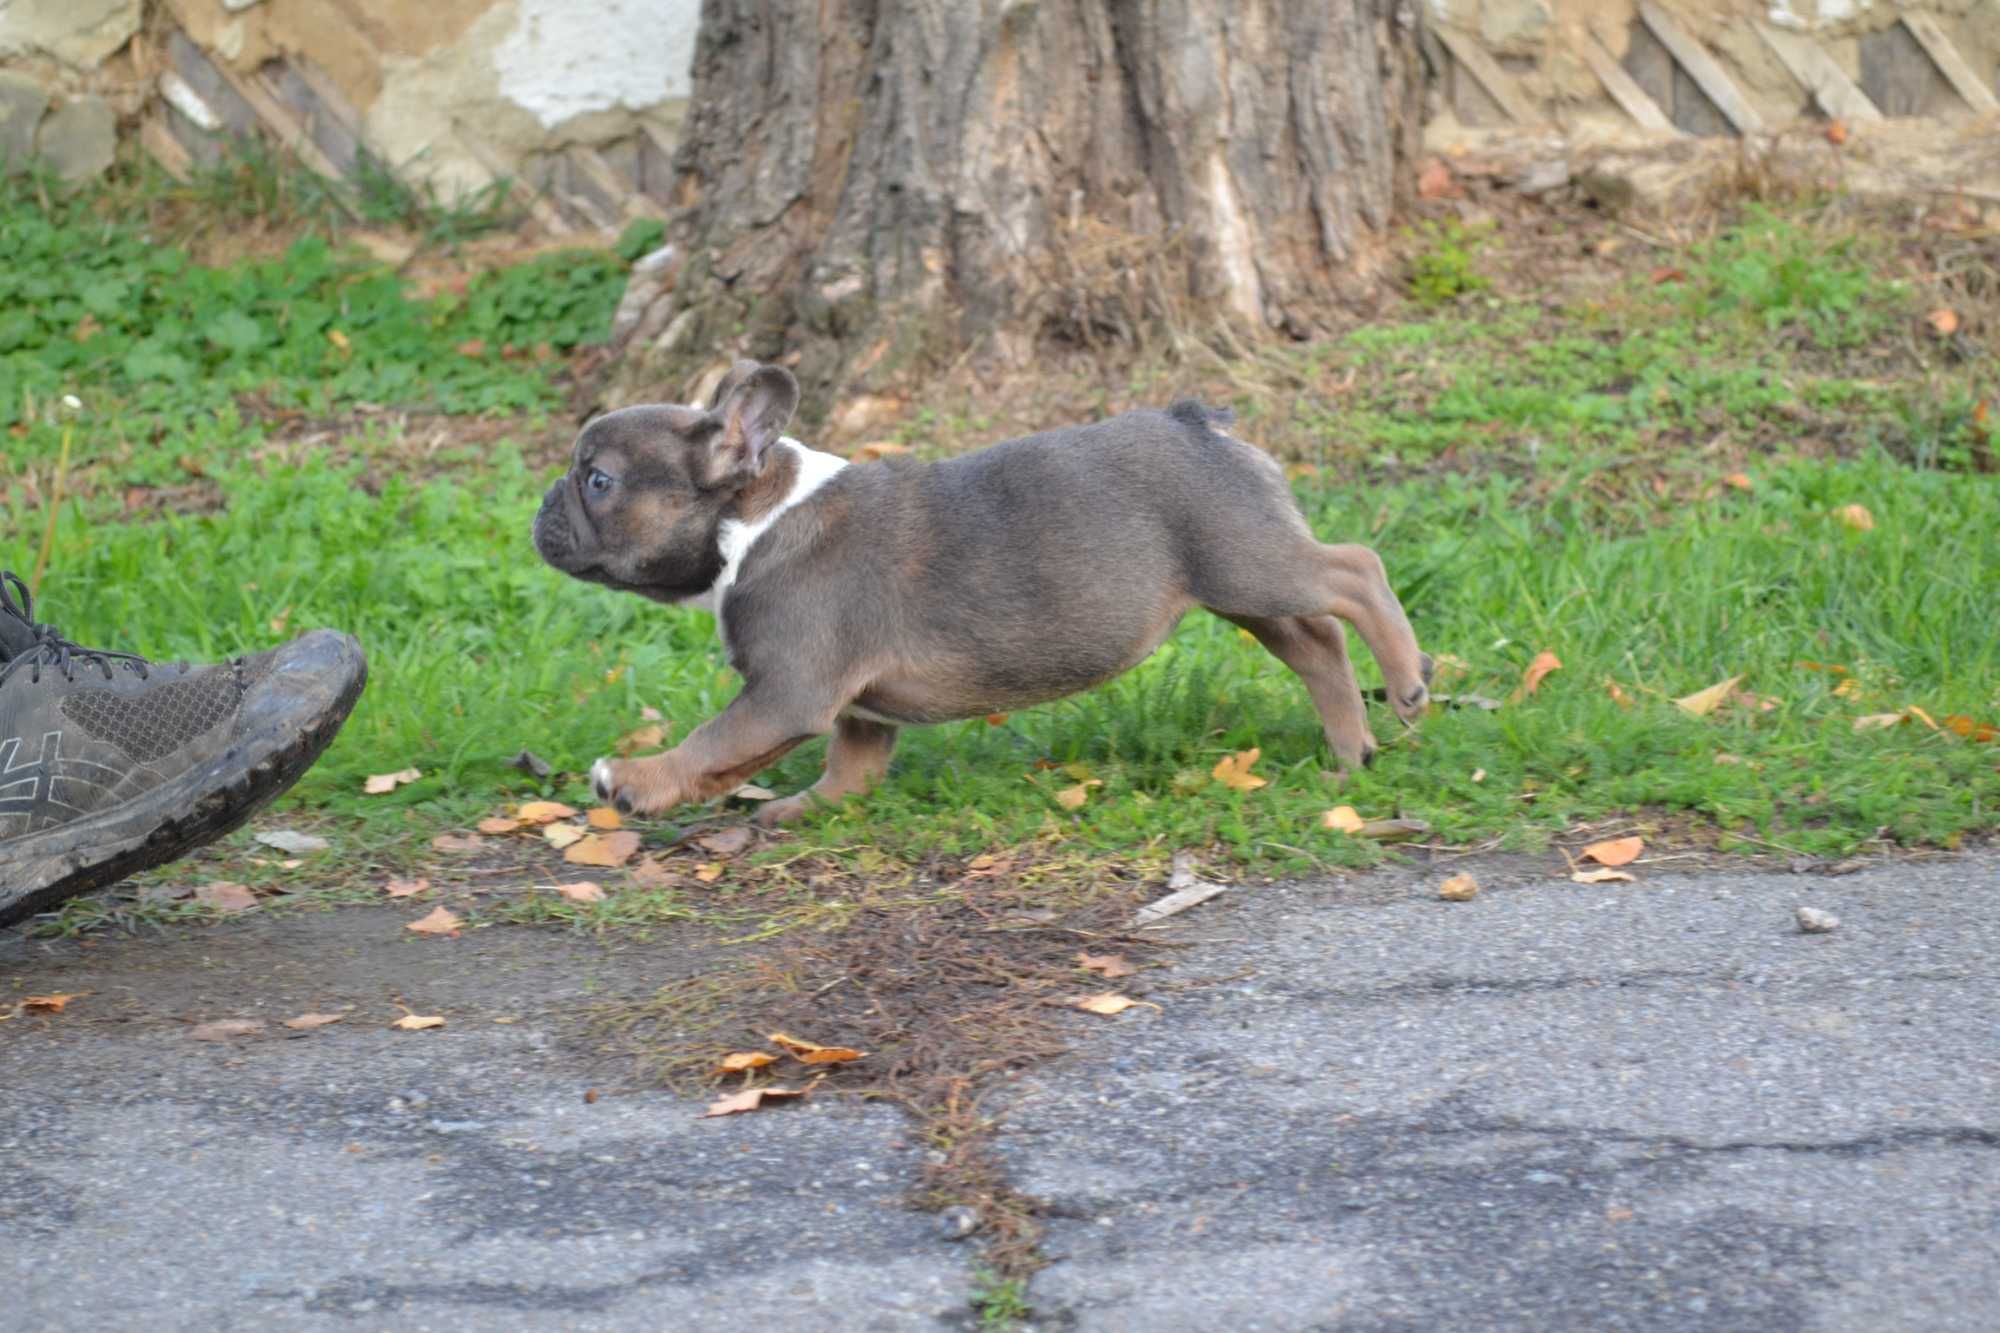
point(444, 90)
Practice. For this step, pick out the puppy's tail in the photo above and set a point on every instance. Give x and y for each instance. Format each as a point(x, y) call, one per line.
point(1200, 417)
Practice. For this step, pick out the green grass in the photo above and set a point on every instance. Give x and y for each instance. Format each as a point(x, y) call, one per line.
point(1533, 479)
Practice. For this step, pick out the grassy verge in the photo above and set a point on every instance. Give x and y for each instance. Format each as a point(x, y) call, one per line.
point(1644, 478)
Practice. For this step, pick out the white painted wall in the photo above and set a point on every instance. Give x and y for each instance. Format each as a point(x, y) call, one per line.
point(567, 57)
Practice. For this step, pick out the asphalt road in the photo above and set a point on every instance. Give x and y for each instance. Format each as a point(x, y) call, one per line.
point(1651, 1106)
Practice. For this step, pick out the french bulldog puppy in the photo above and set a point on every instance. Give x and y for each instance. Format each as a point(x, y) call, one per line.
point(854, 600)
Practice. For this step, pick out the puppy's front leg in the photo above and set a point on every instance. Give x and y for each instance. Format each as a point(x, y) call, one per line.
point(718, 756)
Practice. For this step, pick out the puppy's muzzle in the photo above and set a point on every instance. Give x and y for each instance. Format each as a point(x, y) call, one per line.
point(555, 534)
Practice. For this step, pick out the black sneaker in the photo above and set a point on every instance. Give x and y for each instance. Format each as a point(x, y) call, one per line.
point(110, 764)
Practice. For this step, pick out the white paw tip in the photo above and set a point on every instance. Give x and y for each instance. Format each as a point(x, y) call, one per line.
point(600, 779)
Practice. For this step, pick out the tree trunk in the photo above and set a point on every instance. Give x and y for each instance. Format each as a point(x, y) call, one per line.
point(871, 187)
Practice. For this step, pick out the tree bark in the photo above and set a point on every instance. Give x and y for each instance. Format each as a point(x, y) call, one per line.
point(868, 187)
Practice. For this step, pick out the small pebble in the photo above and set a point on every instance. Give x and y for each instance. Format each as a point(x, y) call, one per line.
point(1812, 921)
point(957, 1223)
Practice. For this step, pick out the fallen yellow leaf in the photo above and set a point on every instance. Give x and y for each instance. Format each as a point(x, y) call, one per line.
point(417, 1022)
point(441, 921)
point(1617, 693)
point(604, 817)
point(739, 1061)
point(1110, 966)
point(562, 835)
point(1601, 875)
point(1958, 724)
point(725, 842)
point(1702, 702)
point(228, 899)
point(1538, 670)
point(52, 1004)
point(379, 783)
point(1943, 320)
point(1459, 889)
point(543, 812)
point(404, 888)
point(1108, 1003)
point(1072, 798)
point(750, 1099)
point(709, 873)
point(1614, 852)
point(1345, 819)
point(452, 842)
point(583, 891)
point(1739, 480)
point(1856, 517)
point(603, 849)
point(1877, 721)
point(496, 825)
point(812, 1053)
point(307, 1022)
point(1233, 771)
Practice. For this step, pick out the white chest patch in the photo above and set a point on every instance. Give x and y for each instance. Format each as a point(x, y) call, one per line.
point(738, 537)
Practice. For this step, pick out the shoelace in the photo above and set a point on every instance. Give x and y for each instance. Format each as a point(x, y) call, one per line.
point(50, 648)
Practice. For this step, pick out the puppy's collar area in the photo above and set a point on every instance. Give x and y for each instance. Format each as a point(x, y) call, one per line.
point(738, 537)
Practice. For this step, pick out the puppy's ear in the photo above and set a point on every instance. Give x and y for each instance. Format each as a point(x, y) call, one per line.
point(754, 413)
point(734, 376)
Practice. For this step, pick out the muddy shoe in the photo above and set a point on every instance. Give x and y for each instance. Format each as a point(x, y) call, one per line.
point(110, 764)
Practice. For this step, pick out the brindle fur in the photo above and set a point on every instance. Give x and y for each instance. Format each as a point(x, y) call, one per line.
point(910, 593)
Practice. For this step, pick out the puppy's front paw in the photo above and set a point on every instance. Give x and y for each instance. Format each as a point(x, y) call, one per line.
point(631, 787)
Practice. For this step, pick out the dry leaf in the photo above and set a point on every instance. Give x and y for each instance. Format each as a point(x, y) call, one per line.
point(1459, 889)
point(750, 1099)
point(441, 921)
point(1849, 688)
point(1723, 757)
point(222, 1029)
point(650, 737)
point(417, 1022)
point(1233, 771)
point(997, 719)
point(379, 783)
point(543, 812)
point(739, 1062)
point(1943, 319)
point(307, 1022)
point(1344, 819)
point(812, 1053)
point(403, 888)
point(583, 891)
point(1877, 721)
point(604, 849)
point(1392, 830)
point(1740, 480)
point(1107, 1003)
point(496, 825)
point(1617, 693)
point(226, 898)
point(52, 1004)
point(1856, 517)
point(1615, 851)
point(725, 842)
point(1107, 965)
point(1702, 702)
point(1958, 724)
point(1836, 134)
point(1602, 875)
point(1479, 775)
point(750, 791)
point(288, 840)
point(1665, 274)
point(562, 835)
point(1434, 179)
point(648, 713)
point(1531, 679)
point(604, 817)
point(650, 874)
point(452, 842)
point(709, 873)
point(1072, 798)
point(1911, 710)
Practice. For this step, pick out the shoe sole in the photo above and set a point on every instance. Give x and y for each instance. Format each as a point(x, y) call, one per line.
point(173, 819)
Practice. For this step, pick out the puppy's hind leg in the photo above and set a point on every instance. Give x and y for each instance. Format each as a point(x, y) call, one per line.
point(1316, 648)
point(856, 759)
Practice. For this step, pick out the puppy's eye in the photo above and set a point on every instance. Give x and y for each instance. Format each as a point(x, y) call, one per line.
point(599, 481)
